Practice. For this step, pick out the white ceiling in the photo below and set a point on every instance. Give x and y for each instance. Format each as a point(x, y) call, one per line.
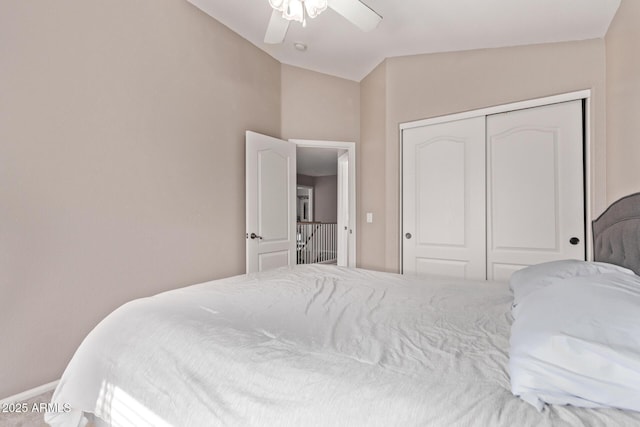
point(409, 27)
point(313, 161)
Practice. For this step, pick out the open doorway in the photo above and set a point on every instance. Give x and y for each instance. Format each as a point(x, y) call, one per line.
point(304, 204)
point(326, 187)
point(271, 195)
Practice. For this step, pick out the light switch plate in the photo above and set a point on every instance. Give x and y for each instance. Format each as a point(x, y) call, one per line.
point(369, 217)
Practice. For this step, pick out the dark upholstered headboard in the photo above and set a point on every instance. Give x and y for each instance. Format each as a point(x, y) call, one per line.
point(616, 234)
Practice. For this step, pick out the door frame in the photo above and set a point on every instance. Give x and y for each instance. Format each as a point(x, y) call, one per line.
point(584, 95)
point(311, 196)
point(342, 244)
point(350, 147)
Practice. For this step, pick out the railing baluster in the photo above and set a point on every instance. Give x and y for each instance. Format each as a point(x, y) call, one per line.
point(316, 242)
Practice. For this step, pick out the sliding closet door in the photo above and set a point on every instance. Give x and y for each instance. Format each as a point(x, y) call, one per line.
point(535, 196)
point(444, 199)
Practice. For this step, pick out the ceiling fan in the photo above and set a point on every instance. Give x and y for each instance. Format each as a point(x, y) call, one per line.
point(285, 11)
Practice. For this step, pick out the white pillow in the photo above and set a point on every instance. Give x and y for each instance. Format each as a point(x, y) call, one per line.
point(527, 280)
point(576, 336)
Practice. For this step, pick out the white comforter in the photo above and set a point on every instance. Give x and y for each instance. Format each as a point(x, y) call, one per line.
point(308, 346)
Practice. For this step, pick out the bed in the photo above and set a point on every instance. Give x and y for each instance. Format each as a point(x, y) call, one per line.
point(320, 345)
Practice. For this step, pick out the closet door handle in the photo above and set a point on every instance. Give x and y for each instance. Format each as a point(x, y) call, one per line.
point(574, 240)
point(408, 236)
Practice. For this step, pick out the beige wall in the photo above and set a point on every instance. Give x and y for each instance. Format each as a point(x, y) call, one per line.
point(623, 101)
point(318, 106)
point(423, 86)
point(371, 169)
point(325, 195)
point(121, 164)
point(321, 107)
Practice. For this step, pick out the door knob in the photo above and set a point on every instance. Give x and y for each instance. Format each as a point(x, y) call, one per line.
point(255, 236)
point(574, 240)
point(408, 235)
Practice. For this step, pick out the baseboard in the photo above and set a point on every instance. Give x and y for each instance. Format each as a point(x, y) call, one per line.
point(26, 395)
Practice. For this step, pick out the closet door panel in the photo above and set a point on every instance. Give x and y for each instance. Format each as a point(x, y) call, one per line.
point(523, 180)
point(535, 198)
point(440, 160)
point(443, 199)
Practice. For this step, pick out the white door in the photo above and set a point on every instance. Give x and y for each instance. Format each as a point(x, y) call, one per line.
point(535, 209)
point(271, 202)
point(343, 210)
point(443, 193)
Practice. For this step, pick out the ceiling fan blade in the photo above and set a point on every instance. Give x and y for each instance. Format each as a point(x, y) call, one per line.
point(361, 15)
point(277, 28)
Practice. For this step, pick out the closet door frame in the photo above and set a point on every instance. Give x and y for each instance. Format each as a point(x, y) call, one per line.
point(584, 95)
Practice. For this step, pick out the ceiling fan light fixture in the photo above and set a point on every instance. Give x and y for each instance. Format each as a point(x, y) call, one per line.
point(298, 10)
point(300, 46)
